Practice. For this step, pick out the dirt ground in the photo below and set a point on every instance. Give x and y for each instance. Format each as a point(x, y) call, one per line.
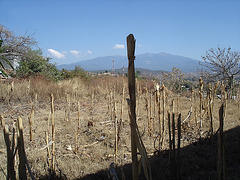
point(96, 139)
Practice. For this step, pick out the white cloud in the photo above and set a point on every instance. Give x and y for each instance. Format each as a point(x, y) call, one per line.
point(139, 45)
point(89, 52)
point(119, 46)
point(55, 54)
point(75, 53)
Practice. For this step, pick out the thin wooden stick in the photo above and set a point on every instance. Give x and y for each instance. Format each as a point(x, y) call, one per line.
point(53, 133)
point(150, 114)
point(21, 151)
point(76, 141)
point(173, 146)
point(79, 121)
point(221, 168)
point(159, 115)
point(210, 109)
point(116, 133)
point(170, 137)
point(201, 99)
point(2, 121)
point(163, 113)
point(67, 110)
point(48, 150)
point(147, 109)
point(31, 121)
point(179, 147)
point(11, 174)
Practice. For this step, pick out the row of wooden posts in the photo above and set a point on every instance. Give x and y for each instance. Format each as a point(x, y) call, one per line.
point(17, 145)
point(136, 142)
point(119, 124)
point(136, 138)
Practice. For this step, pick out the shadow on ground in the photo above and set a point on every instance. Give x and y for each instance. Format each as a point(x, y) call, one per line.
point(198, 161)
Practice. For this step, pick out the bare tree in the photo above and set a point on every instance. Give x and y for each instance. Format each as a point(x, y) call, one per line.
point(174, 79)
point(222, 64)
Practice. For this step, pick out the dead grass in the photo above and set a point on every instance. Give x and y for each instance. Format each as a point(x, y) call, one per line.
point(96, 143)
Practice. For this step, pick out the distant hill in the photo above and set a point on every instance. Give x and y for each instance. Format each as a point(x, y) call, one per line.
point(151, 61)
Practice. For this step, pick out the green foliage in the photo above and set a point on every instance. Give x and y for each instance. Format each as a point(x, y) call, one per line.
point(77, 72)
point(3, 59)
point(35, 64)
point(13, 45)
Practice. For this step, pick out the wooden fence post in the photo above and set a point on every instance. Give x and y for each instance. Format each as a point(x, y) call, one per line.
point(131, 86)
point(21, 151)
point(136, 141)
point(163, 113)
point(53, 133)
point(31, 121)
point(159, 113)
point(221, 169)
point(201, 101)
point(11, 174)
point(179, 146)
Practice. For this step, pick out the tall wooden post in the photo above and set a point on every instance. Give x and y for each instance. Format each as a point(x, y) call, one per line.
point(21, 151)
point(131, 86)
point(53, 133)
point(221, 166)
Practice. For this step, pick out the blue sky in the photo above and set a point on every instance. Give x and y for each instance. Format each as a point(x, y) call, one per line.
point(74, 30)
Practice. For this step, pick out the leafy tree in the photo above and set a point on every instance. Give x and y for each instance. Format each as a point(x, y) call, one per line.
point(222, 64)
point(11, 44)
point(35, 64)
point(32, 62)
point(3, 60)
point(138, 72)
point(77, 72)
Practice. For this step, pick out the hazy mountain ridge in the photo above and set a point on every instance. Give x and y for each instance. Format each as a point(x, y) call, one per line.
point(151, 61)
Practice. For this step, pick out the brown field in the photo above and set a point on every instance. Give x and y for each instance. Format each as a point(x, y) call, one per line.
point(96, 135)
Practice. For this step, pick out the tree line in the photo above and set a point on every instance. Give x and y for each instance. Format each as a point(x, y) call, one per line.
point(220, 64)
point(32, 62)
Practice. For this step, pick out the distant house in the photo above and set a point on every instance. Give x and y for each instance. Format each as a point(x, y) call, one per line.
point(14, 59)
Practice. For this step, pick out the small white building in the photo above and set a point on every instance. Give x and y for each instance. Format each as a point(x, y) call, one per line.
point(14, 59)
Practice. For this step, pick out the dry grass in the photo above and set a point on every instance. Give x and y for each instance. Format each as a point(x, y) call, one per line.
point(96, 143)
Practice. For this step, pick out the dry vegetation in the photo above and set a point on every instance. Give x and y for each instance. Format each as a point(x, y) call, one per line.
point(86, 113)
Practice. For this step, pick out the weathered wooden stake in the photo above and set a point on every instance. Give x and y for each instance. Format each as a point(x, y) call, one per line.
point(159, 115)
point(131, 86)
point(21, 151)
point(221, 168)
point(79, 121)
point(179, 147)
point(48, 150)
point(76, 141)
point(53, 133)
point(210, 108)
point(11, 174)
point(163, 113)
point(173, 147)
point(31, 122)
point(116, 133)
point(201, 101)
point(170, 137)
point(150, 114)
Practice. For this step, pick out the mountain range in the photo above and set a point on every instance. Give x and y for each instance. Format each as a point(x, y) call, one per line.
point(150, 61)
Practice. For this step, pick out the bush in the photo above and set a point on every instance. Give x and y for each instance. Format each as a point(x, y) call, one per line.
point(77, 72)
point(36, 65)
